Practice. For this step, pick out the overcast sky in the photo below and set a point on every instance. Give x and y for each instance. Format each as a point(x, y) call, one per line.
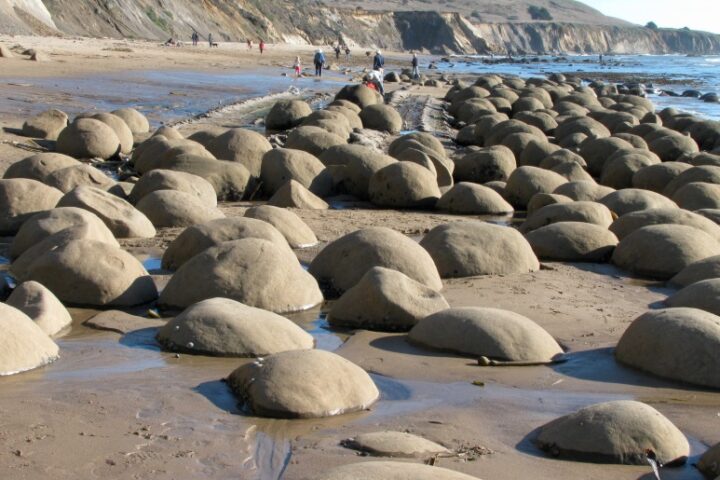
point(696, 14)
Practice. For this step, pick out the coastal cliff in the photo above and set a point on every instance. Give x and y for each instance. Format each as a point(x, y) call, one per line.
point(441, 28)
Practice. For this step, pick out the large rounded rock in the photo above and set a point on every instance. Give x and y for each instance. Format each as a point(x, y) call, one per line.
point(46, 125)
point(241, 146)
point(303, 384)
point(297, 233)
point(67, 179)
point(485, 165)
point(661, 251)
point(120, 128)
point(294, 195)
point(404, 185)
point(313, 140)
point(20, 198)
point(394, 444)
point(44, 308)
point(358, 94)
point(425, 139)
point(343, 262)
point(525, 182)
point(381, 117)
point(572, 242)
point(136, 121)
point(286, 114)
point(283, 164)
point(671, 147)
point(583, 190)
point(87, 272)
point(360, 168)
point(486, 332)
point(256, 272)
point(619, 171)
point(467, 249)
point(472, 199)
point(88, 138)
point(705, 269)
point(391, 471)
point(172, 208)
point(630, 200)
point(124, 220)
point(596, 152)
point(386, 300)
point(709, 462)
point(586, 212)
point(682, 344)
point(540, 200)
point(698, 196)
point(23, 344)
point(704, 294)
point(705, 174)
point(628, 223)
point(39, 166)
point(195, 239)
point(226, 328)
point(615, 432)
point(170, 180)
point(656, 177)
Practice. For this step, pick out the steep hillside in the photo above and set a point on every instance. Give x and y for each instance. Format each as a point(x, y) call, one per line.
point(437, 26)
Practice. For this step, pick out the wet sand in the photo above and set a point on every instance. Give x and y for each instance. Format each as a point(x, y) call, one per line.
point(115, 406)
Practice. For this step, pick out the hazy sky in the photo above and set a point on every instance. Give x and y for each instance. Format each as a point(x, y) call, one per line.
point(696, 14)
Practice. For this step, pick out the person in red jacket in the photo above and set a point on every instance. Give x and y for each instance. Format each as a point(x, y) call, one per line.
point(262, 46)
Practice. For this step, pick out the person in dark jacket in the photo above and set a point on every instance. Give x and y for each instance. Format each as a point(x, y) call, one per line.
point(319, 60)
point(378, 62)
point(415, 67)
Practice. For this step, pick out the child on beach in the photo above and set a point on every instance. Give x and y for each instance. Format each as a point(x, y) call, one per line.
point(298, 67)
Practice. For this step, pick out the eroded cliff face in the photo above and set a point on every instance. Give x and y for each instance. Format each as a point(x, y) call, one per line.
point(313, 22)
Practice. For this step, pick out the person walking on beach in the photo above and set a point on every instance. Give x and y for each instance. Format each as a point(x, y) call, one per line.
point(319, 60)
point(347, 53)
point(261, 46)
point(298, 67)
point(210, 39)
point(337, 52)
point(195, 38)
point(415, 67)
point(379, 62)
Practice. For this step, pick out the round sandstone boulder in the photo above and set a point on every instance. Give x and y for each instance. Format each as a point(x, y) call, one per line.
point(281, 165)
point(586, 212)
point(391, 471)
point(297, 233)
point(630, 200)
point(704, 294)
point(698, 196)
point(705, 269)
point(23, 344)
point(136, 121)
point(628, 223)
point(287, 114)
point(404, 185)
point(525, 182)
point(294, 195)
point(188, 183)
point(241, 146)
point(46, 125)
point(485, 165)
point(572, 242)
point(381, 117)
point(39, 166)
point(42, 306)
point(394, 444)
point(172, 208)
point(473, 199)
point(20, 198)
point(88, 138)
point(67, 179)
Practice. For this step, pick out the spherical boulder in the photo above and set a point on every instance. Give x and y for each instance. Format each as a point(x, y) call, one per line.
point(525, 182)
point(136, 121)
point(404, 185)
point(381, 117)
point(472, 199)
point(46, 125)
point(283, 164)
point(705, 269)
point(656, 177)
point(540, 200)
point(66, 179)
point(195, 239)
point(286, 114)
point(39, 166)
point(486, 332)
point(583, 190)
point(172, 208)
point(23, 344)
point(704, 294)
point(572, 242)
point(227, 328)
point(485, 165)
point(358, 94)
point(297, 233)
point(124, 220)
point(704, 174)
point(394, 444)
point(20, 198)
point(313, 140)
point(470, 248)
point(188, 183)
point(343, 262)
point(596, 152)
point(360, 163)
point(391, 471)
point(88, 138)
point(303, 384)
point(87, 272)
point(44, 308)
point(256, 272)
point(677, 343)
point(629, 200)
point(620, 431)
point(628, 223)
point(661, 251)
point(619, 170)
point(671, 147)
point(586, 212)
point(385, 300)
point(241, 146)
point(698, 196)
point(294, 195)
point(120, 128)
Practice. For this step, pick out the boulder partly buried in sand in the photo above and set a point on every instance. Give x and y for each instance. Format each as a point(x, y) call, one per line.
point(486, 332)
point(661, 251)
point(241, 146)
point(681, 344)
point(385, 300)
point(343, 262)
point(525, 182)
point(297, 233)
point(472, 199)
point(615, 432)
point(20, 198)
point(303, 384)
point(629, 200)
point(628, 223)
point(136, 121)
point(46, 125)
point(295, 195)
point(44, 308)
point(284, 164)
point(470, 248)
point(704, 269)
point(286, 114)
point(172, 208)
point(583, 211)
point(394, 444)
point(88, 138)
point(87, 272)
point(572, 242)
point(69, 178)
point(155, 180)
point(704, 295)
point(39, 166)
point(391, 471)
point(404, 185)
point(23, 344)
point(381, 117)
point(252, 271)
point(227, 328)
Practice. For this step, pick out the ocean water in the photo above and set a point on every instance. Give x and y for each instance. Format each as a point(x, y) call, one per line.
point(665, 72)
